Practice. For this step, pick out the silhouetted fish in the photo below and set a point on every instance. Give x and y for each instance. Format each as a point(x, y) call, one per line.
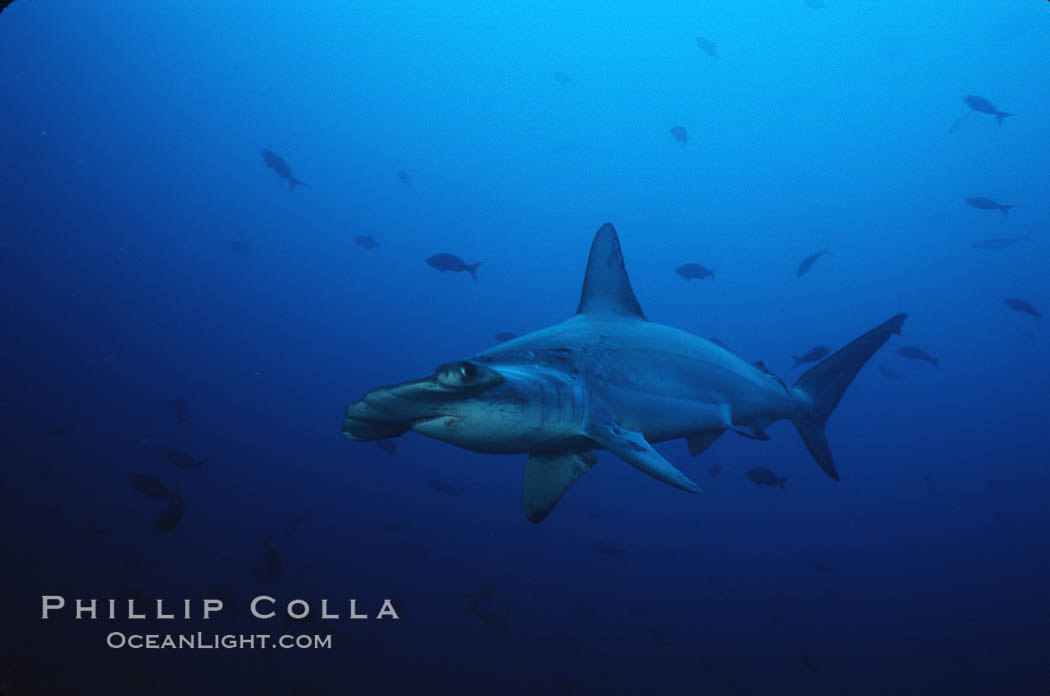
point(276, 163)
point(814, 354)
point(451, 262)
point(297, 519)
point(1020, 305)
point(150, 485)
point(998, 242)
point(504, 336)
point(561, 78)
point(181, 459)
point(442, 487)
point(982, 203)
point(715, 470)
point(179, 405)
point(985, 107)
point(609, 548)
point(808, 262)
point(405, 177)
point(270, 572)
point(388, 447)
point(170, 519)
point(916, 353)
point(680, 134)
point(239, 247)
point(707, 46)
point(366, 241)
point(890, 374)
point(694, 271)
point(761, 476)
point(60, 431)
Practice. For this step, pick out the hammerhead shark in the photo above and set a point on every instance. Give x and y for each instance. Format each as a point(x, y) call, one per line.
point(607, 378)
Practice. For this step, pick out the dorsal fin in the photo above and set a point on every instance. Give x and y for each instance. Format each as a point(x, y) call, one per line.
point(606, 287)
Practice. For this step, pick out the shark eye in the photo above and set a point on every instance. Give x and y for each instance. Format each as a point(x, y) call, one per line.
point(467, 371)
point(464, 374)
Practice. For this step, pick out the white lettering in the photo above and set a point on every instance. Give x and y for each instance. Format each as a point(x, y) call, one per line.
point(256, 601)
point(52, 602)
point(211, 606)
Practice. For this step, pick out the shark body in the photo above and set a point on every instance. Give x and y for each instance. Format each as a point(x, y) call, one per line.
point(607, 378)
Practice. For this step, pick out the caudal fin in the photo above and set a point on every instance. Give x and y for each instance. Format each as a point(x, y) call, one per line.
point(818, 391)
point(1006, 208)
point(473, 270)
point(1000, 115)
point(293, 182)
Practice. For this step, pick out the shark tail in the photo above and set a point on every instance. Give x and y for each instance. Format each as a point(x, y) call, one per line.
point(818, 391)
point(1006, 208)
point(473, 270)
point(1000, 115)
point(293, 182)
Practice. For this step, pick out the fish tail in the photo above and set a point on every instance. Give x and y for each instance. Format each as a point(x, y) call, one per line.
point(473, 270)
point(293, 182)
point(1000, 115)
point(1006, 208)
point(818, 391)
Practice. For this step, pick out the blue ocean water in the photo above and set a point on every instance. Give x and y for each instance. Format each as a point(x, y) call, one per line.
point(148, 254)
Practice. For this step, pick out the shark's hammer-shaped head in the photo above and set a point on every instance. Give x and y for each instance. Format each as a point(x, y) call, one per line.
point(475, 406)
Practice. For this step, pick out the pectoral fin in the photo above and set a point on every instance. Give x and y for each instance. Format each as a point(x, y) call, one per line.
point(547, 477)
point(633, 448)
point(701, 441)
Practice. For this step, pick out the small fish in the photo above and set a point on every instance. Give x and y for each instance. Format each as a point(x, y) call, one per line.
point(761, 476)
point(609, 548)
point(680, 134)
point(822, 567)
point(890, 374)
point(451, 262)
point(985, 107)
point(814, 354)
point(982, 203)
point(238, 247)
point(1019, 305)
point(808, 262)
point(270, 572)
point(504, 336)
point(405, 177)
point(60, 431)
point(297, 519)
point(561, 78)
point(998, 242)
point(707, 46)
point(179, 406)
point(181, 459)
point(388, 447)
point(277, 163)
point(366, 241)
point(916, 353)
point(715, 470)
point(694, 271)
point(150, 485)
point(442, 487)
point(170, 519)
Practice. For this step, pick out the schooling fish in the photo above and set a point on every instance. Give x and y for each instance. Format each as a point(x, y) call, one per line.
point(998, 242)
point(807, 263)
point(985, 107)
point(814, 354)
point(297, 519)
point(982, 203)
point(277, 163)
point(366, 241)
point(170, 519)
point(762, 476)
point(916, 353)
point(150, 485)
point(680, 134)
point(1020, 305)
point(707, 46)
point(694, 271)
point(451, 262)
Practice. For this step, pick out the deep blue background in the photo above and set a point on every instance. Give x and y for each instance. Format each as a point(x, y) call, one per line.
point(129, 138)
